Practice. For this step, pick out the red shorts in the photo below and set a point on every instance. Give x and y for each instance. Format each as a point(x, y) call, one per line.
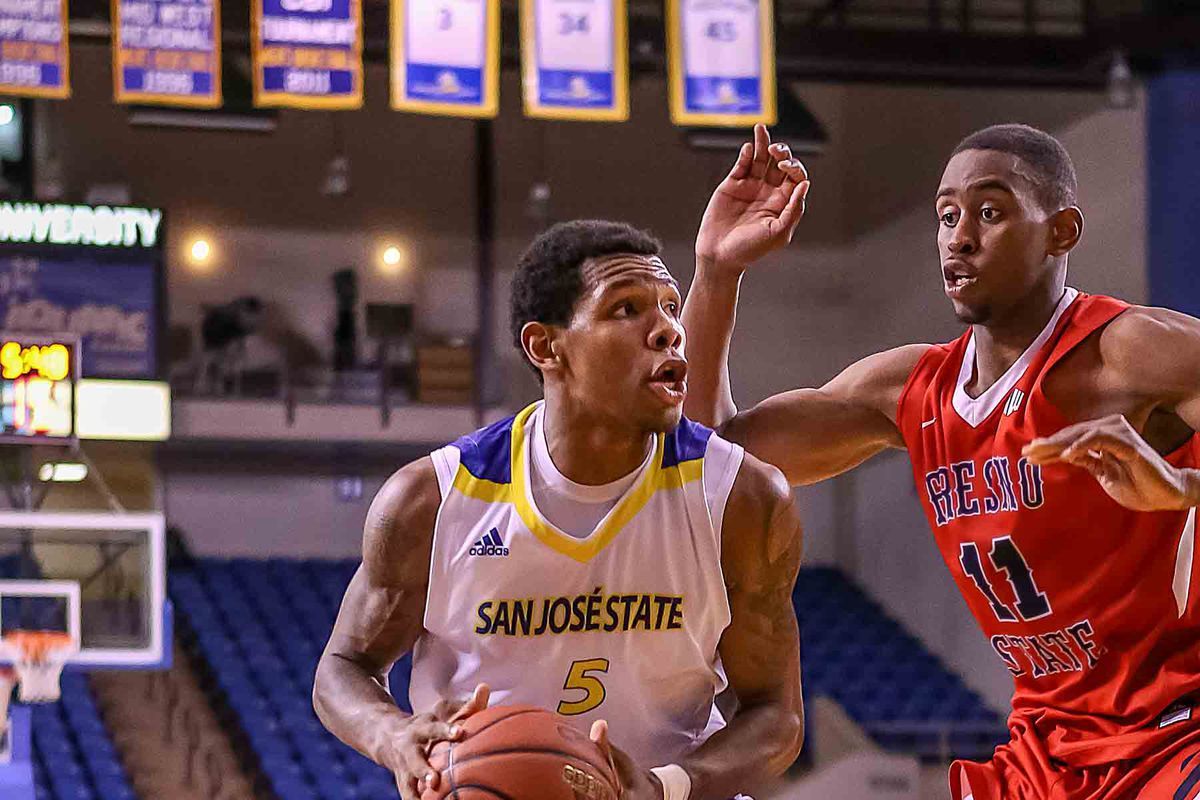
point(1024, 770)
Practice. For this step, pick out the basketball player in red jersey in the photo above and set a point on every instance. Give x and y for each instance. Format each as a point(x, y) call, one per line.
point(1054, 450)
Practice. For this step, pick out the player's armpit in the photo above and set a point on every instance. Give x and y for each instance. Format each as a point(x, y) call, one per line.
point(814, 434)
point(381, 613)
point(761, 550)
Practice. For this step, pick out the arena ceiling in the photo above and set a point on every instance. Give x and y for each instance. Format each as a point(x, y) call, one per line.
point(1052, 43)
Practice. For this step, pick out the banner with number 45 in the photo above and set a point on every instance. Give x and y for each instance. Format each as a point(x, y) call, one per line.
point(575, 59)
point(721, 62)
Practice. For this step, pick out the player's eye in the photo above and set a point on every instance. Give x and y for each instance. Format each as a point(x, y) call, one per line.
point(990, 214)
point(673, 308)
point(625, 308)
point(948, 218)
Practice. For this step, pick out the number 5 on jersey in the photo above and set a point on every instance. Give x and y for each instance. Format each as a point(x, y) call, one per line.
point(581, 678)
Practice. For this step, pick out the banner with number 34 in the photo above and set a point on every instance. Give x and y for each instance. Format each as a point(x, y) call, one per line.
point(575, 59)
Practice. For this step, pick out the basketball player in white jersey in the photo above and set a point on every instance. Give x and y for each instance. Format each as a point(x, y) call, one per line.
point(597, 555)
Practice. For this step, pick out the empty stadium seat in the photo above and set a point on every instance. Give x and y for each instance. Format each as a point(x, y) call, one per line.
point(73, 755)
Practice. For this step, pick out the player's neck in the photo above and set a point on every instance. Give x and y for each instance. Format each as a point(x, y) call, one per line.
point(1000, 342)
point(591, 450)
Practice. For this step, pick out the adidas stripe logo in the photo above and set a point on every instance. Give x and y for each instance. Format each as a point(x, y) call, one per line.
point(489, 545)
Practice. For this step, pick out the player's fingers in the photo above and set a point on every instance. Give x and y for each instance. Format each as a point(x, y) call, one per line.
point(778, 152)
point(407, 786)
point(478, 702)
point(599, 735)
point(762, 155)
point(433, 731)
point(419, 771)
point(1104, 442)
point(794, 169)
point(741, 166)
point(793, 212)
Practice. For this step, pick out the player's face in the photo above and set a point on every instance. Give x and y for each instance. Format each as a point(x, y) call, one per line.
point(992, 234)
point(624, 346)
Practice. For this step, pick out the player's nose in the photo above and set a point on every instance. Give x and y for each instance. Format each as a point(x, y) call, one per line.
point(667, 333)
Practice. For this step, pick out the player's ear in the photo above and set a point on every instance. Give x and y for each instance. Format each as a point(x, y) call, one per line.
point(537, 340)
point(1066, 230)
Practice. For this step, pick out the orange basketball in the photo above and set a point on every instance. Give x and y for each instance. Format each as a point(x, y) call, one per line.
point(521, 753)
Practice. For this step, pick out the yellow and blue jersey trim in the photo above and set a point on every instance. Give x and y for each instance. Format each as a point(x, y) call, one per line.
point(492, 469)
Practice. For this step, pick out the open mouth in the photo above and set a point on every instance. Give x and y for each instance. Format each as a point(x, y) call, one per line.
point(669, 381)
point(957, 278)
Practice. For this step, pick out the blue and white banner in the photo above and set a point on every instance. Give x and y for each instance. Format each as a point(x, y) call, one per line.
point(446, 57)
point(111, 306)
point(308, 53)
point(167, 51)
point(722, 62)
point(575, 59)
point(34, 51)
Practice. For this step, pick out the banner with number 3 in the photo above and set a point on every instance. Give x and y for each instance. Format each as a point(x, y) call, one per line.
point(722, 62)
point(575, 59)
point(446, 57)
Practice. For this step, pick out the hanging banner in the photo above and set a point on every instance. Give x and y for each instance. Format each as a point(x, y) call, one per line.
point(575, 59)
point(34, 57)
point(446, 57)
point(308, 53)
point(722, 62)
point(167, 51)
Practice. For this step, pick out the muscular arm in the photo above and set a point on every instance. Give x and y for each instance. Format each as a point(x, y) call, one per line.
point(1149, 362)
point(380, 619)
point(761, 648)
point(810, 434)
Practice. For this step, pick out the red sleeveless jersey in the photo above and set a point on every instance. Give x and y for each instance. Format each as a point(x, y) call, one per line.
point(1089, 605)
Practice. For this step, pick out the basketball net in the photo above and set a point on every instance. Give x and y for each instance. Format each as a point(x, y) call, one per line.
point(38, 658)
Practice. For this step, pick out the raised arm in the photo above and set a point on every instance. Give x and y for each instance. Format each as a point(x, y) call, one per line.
point(753, 211)
point(380, 620)
point(810, 434)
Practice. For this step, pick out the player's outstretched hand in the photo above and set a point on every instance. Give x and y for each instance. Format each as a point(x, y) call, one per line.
point(636, 783)
point(410, 746)
point(756, 208)
point(1128, 468)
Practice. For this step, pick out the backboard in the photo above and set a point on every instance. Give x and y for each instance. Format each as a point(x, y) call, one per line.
point(99, 577)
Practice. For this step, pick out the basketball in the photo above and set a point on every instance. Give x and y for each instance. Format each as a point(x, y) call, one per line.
point(521, 753)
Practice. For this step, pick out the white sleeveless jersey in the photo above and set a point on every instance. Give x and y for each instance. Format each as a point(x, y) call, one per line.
point(622, 625)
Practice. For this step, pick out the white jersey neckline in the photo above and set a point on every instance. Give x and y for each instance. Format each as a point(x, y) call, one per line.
point(974, 410)
point(524, 482)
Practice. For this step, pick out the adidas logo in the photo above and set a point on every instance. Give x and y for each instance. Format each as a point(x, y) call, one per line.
point(489, 545)
point(1014, 402)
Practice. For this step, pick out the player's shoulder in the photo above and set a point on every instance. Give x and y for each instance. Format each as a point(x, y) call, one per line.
point(759, 487)
point(400, 521)
point(762, 523)
point(486, 453)
point(1147, 345)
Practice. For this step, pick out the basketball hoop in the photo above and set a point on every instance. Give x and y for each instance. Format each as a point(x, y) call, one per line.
point(38, 657)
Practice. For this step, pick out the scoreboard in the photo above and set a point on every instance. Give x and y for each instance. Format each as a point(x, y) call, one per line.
point(37, 387)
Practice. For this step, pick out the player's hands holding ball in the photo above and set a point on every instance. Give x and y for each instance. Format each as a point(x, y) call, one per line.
point(756, 208)
point(636, 783)
point(410, 743)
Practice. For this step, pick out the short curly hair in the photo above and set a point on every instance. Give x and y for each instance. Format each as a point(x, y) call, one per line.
point(1053, 171)
point(549, 277)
